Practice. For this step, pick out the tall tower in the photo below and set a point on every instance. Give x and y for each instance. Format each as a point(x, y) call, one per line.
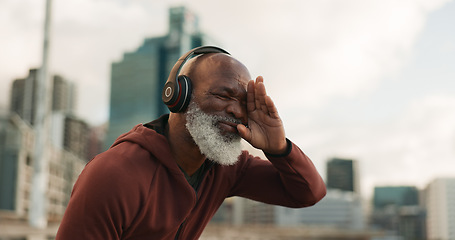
point(342, 175)
point(23, 96)
point(63, 95)
point(440, 206)
point(137, 80)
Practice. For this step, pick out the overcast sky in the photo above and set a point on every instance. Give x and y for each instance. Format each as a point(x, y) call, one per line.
point(370, 80)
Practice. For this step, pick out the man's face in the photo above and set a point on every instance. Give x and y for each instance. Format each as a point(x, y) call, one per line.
point(219, 102)
point(219, 88)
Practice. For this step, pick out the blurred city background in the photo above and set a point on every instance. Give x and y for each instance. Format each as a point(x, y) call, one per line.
point(366, 88)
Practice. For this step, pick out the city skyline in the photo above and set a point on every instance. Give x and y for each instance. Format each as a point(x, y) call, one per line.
point(364, 80)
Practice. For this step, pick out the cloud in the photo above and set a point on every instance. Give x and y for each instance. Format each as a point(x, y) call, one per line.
point(20, 42)
point(88, 36)
point(411, 148)
point(315, 50)
point(318, 50)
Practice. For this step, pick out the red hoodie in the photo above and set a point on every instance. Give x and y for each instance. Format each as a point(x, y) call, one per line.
point(135, 190)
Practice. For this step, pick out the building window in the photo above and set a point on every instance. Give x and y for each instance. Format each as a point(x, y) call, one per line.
point(28, 161)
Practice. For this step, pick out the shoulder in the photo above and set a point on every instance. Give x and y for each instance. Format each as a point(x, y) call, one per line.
point(125, 155)
point(126, 170)
point(108, 194)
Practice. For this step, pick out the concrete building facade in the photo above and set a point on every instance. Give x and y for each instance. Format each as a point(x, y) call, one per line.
point(440, 205)
point(23, 96)
point(65, 149)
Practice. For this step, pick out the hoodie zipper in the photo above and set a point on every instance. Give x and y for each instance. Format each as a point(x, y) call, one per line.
point(178, 231)
point(177, 235)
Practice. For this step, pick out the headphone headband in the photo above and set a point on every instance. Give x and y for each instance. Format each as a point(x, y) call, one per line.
point(176, 94)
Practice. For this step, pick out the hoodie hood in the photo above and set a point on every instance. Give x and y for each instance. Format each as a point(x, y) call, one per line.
point(151, 138)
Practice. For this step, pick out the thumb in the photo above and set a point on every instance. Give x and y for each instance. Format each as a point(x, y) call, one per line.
point(244, 132)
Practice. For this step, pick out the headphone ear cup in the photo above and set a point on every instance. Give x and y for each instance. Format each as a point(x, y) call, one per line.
point(184, 97)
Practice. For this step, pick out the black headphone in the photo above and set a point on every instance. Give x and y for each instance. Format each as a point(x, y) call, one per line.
point(177, 90)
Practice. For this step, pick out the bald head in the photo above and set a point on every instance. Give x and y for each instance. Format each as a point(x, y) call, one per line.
point(207, 68)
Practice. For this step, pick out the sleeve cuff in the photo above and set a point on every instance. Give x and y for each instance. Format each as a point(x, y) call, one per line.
point(288, 150)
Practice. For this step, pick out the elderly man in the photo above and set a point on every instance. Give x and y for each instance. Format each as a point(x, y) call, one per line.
point(166, 179)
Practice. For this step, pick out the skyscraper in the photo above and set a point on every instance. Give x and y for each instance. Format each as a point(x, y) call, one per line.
point(137, 80)
point(63, 95)
point(397, 209)
point(341, 174)
point(16, 171)
point(440, 206)
point(23, 96)
point(66, 149)
point(76, 136)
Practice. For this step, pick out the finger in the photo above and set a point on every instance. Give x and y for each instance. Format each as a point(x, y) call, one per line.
point(250, 100)
point(257, 102)
point(261, 95)
point(259, 79)
point(244, 132)
point(273, 111)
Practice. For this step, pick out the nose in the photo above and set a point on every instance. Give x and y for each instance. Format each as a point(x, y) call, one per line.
point(237, 110)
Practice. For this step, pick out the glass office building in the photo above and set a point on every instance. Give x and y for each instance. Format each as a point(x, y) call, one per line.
point(342, 175)
point(137, 80)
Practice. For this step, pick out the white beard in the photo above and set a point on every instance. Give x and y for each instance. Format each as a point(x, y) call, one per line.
point(222, 149)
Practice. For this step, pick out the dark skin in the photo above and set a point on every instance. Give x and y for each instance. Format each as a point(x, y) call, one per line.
point(222, 86)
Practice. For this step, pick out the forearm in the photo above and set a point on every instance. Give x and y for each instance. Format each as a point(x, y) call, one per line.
point(299, 176)
point(290, 180)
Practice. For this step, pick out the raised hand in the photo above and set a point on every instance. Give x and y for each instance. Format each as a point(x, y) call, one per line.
point(265, 128)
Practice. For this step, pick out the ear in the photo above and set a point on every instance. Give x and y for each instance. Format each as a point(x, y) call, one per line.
point(184, 97)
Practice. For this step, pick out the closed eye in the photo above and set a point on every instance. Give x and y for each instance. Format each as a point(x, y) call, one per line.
point(220, 95)
point(223, 96)
point(228, 94)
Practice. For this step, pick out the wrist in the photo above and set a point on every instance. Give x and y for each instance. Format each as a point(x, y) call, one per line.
point(284, 151)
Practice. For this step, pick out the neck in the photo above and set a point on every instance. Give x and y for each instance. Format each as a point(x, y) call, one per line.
point(185, 152)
